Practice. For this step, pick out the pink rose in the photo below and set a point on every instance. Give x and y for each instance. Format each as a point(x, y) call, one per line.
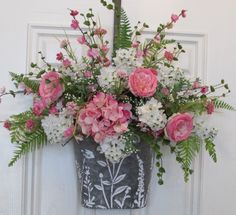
point(66, 63)
point(51, 88)
point(74, 24)
point(179, 127)
point(174, 18)
point(169, 56)
point(204, 89)
point(143, 82)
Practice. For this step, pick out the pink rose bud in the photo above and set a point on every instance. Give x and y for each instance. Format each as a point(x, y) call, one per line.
point(30, 124)
point(81, 39)
point(74, 13)
point(7, 125)
point(169, 56)
point(64, 44)
point(135, 44)
point(59, 56)
point(69, 132)
point(196, 85)
point(74, 24)
point(183, 13)
point(165, 91)
point(204, 89)
point(87, 74)
point(174, 18)
point(210, 107)
point(105, 49)
point(66, 63)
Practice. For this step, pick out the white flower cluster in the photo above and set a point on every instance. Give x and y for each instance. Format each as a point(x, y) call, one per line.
point(113, 148)
point(54, 126)
point(107, 77)
point(204, 132)
point(152, 115)
point(126, 59)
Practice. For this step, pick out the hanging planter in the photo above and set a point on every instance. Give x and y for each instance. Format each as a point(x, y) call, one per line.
point(107, 185)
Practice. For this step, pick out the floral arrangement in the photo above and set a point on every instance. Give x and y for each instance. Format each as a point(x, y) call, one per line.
point(137, 94)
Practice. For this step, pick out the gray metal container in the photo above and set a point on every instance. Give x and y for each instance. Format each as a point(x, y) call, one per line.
point(106, 185)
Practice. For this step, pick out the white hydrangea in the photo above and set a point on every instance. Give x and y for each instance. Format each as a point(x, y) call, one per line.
point(113, 148)
point(126, 59)
point(152, 115)
point(54, 126)
point(107, 78)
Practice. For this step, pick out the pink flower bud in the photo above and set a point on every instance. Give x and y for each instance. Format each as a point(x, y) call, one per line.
point(157, 39)
point(100, 31)
point(169, 56)
point(64, 44)
point(210, 107)
point(93, 53)
point(204, 89)
point(59, 56)
point(196, 85)
point(7, 125)
point(135, 44)
point(81, 39)
point(53, 110)
point(66, 63)
point(183, 13)
point(30, 124)
point(74, 13)
point(74, 24)
point(165, 91)
point(174, 18)
point(69, 132)
point(87, 74)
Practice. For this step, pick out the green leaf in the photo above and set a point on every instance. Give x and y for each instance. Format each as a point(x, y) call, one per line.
point(210, 147)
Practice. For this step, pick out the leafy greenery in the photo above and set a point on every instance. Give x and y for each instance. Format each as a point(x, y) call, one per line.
point(219, 104)
point(185, 154)
point(210, 147)
point(32, 84)
point(24, 139)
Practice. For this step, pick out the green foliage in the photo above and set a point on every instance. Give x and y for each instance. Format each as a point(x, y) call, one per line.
point(210, 147)
point(24, 140)
point(32, 84)
point(185, 154)
point(123, 37)
point(223, 105)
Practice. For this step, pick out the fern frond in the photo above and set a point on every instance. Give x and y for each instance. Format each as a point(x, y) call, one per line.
point(219, 104)
point(123, 38)
point(186, 152)
point(32, 84)
point(25, 140)
point(210, 147)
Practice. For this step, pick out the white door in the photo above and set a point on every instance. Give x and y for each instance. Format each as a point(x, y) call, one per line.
point(45, 182)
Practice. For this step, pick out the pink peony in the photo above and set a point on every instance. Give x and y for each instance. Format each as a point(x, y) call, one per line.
point(103, 116)
point(169, 56)
point(51, 88)
point(69, 132)
point(74, 24)
point(38, 107)
point(7, 125)
point(179, 127)
point(60, 56)
point(81, 40)
point(93, 53)
point(143, 82)
point(210, 107)
point(30, 124)
point(74, 13)
point(174, 18)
